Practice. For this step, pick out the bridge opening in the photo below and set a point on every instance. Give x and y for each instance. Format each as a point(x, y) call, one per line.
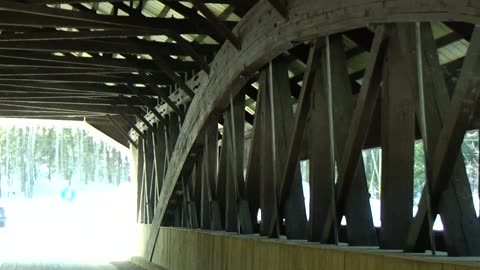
point(372, 159)
point(65, 193)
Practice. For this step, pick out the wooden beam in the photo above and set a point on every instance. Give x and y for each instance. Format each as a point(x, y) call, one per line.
point(122, 131)
point(139, 170)
point(252, 176)
point(321, 162)
point(359, 128)
point(233, 142)
point(186, 46)
point(398, 135)
point(172, 75)
point(190, 50)
point(280, 6)
point(160, 153)
point(129, 121)
point(162, 93)
point(293, 205)
point(121, 46)
point(457, 116)
point(152, 109)
point(42, 59)
point(86, 89)
point(55, 2)
point(301, 116)
point(66, 100)
point(216, 23)
point(84, 79)
point(15, 13)
point(139, 115)
point(209, 218)
point(70, 108)
point(268, 196)
point(192, 15)
point(360, 227)
point(149, 177)
point(65, 35)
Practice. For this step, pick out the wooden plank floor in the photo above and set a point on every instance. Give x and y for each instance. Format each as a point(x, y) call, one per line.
point(68, 266)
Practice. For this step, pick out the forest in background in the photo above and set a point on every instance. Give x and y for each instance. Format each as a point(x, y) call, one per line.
point(372, 159)
point(470, 152)
point(29, 153)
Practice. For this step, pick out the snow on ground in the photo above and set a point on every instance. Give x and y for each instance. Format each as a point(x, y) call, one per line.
point(96, 226)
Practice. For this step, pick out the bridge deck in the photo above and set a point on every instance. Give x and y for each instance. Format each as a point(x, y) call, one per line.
point(195, 249)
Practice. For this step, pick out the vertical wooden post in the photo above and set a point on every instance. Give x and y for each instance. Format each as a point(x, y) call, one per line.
point(197, 187)
point(358, 130)
point(360, 228)
point(454, 202)
point(320, 163)
point(160, 152)
point(149, 176)
point(252, 181)
point(221, 178)
point(398, 135)
point(173, 132)
point(292, 207)
point(208, 178)
point(234, 128)
point(268, 200)
point(140, 184)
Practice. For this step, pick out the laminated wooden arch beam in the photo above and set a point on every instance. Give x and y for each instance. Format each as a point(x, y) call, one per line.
point(266, 34)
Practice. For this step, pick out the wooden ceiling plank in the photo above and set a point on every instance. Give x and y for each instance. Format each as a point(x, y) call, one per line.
point(140, 96)
point(162, 64)
point(65, 35)
point(220, 26)
point(192, 15)
point(82, 20)
point(52, 2)
point(100, 46)
point(70, 61)
point(187, 47)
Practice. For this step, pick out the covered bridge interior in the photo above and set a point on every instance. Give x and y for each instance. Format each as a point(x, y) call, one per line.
point(221, 101)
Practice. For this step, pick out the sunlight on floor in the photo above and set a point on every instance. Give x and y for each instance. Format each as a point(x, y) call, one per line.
point(95, 227)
